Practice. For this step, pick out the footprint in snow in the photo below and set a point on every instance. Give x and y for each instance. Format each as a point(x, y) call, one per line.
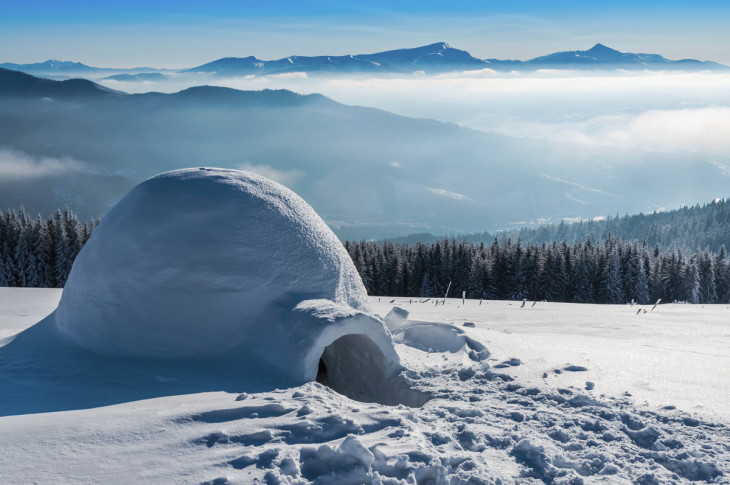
point(513, 362)
point(247, 412)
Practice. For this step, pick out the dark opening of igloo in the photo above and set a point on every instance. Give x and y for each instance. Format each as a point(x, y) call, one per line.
point(354, 366)
point(322, 373)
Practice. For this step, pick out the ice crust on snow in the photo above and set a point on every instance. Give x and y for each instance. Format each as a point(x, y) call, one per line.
point(218, 263)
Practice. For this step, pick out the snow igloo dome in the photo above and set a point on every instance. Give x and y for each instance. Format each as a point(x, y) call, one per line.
point(214, 263)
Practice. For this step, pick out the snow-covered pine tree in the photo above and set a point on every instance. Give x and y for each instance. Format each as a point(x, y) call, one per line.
point(530, 269)
point(6, 274)
point(612, 287)
point(706, 266)
point(25, 263)
point(519, 273)
point(62, 251)
point(426, 290)
point(42, 252)
point(581, 279)
point(722, 276)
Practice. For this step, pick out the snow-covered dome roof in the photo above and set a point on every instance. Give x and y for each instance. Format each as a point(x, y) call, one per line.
point(212, 263)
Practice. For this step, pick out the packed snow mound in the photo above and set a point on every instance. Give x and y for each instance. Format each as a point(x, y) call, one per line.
point(432, 336)
point(209, 262)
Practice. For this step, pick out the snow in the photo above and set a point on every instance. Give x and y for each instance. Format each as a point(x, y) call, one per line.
point(484, 424)
point(672, 356)
point(250, 248)
point(205, 279)
point(213, 330)
point(22, 307)
point(223, 265)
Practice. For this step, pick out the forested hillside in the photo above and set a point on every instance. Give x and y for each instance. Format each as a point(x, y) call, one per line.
point(687, 228)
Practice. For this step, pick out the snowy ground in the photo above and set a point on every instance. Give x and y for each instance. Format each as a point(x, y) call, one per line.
point(650, 407)
point(677, 355)
point(22, 307)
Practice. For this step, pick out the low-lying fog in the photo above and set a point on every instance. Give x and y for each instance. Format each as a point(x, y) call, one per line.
point(658, 111)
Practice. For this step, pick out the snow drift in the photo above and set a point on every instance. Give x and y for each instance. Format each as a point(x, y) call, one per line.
point(227, 265)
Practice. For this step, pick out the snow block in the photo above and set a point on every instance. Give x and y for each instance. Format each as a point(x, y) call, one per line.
point(396, 318)
point(224, 264)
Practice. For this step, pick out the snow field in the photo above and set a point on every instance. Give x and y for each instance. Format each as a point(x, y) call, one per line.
point(677, 355)
point(228, 248)
point(22, 307)
point(487, 421)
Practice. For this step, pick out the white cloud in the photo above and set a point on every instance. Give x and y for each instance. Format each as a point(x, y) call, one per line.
point(285, 177)
point(702, 129)
point(287, 75)
point(705, 129)
point(656, 111)
point(653, 111)
point(723, 167)
point(18, 165)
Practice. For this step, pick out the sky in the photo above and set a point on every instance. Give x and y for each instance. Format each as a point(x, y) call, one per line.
point(186, 33)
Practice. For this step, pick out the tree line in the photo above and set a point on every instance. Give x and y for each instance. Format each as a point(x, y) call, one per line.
point(39, 252)
point(611, 271)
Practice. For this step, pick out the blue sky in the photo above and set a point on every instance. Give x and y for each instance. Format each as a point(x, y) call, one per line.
point(185, 33)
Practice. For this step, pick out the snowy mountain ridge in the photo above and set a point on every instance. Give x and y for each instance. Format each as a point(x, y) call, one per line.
point(601, 55)
point(441, 57)
point(435, 57)
point(438, 57)
point(57, 67)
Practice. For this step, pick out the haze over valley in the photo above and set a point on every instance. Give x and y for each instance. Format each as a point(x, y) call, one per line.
point(456, 148)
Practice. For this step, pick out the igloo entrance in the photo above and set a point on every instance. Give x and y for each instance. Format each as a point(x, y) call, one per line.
point(354, 366)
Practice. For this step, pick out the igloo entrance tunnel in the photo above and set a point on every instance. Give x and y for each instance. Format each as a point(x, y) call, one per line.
point(213, 264)
point(354, 366)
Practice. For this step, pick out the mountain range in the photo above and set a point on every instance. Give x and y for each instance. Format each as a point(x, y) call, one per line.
point(53, 66)
point(441, 57)
point(369, 173)
point(434, 58)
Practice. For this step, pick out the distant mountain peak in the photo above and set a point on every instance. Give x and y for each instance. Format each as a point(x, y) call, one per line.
point(435, 57)
point(603, 57)
point(599, 46)
point(602, 49)
point(55, 64)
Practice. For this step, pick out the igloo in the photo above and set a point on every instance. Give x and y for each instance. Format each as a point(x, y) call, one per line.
point(227, 265)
